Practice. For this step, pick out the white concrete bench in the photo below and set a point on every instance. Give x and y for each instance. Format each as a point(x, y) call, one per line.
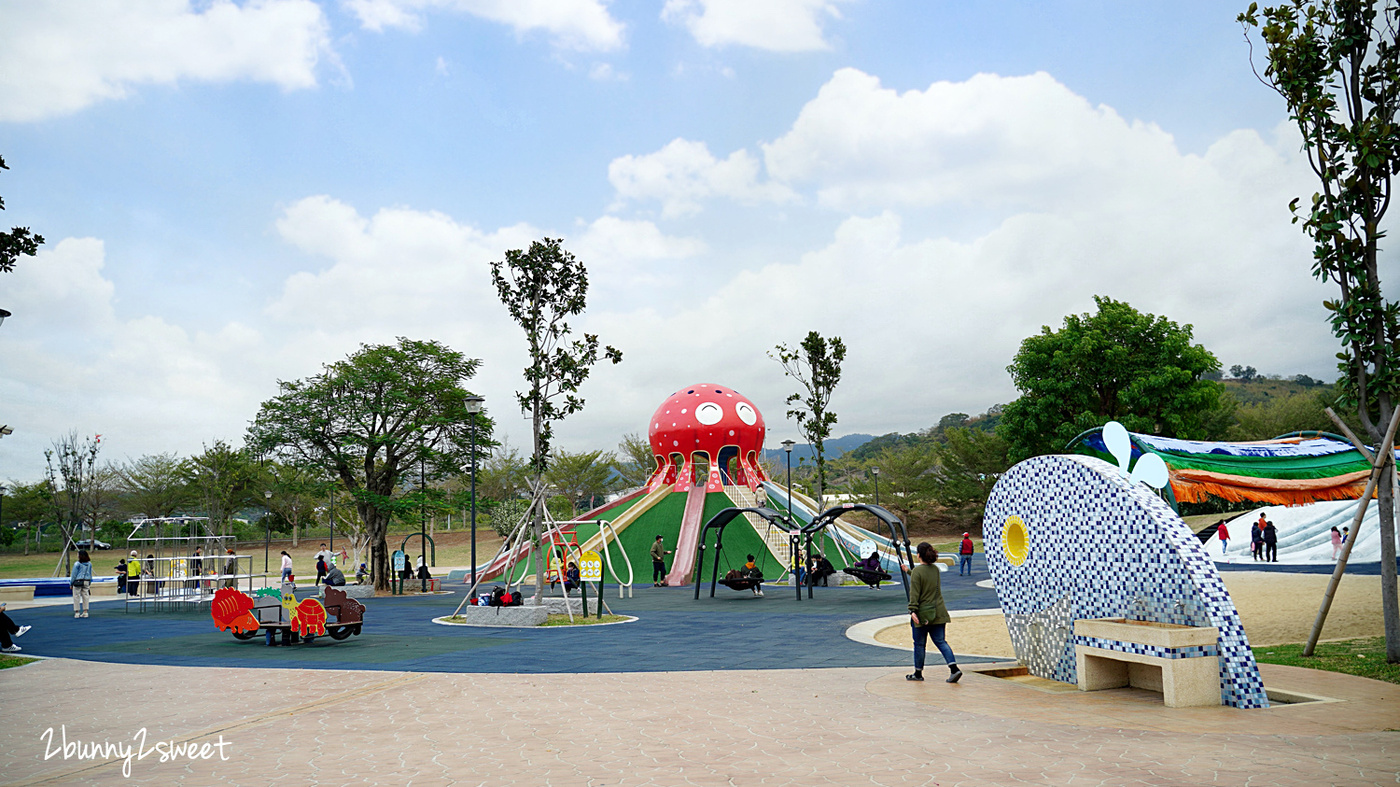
point(1178, 661)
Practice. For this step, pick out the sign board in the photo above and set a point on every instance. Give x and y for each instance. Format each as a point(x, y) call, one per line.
point(590, 567)
point(400, 560)
point(866, 547)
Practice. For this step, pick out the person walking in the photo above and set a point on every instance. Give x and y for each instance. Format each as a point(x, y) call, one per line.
point(1270, 537)
point(1223, 534)
point(80, 581)
point(658, 563)
point(928, 616)
point(1336, 542)
point(965, 555)
point(8, 629)
point(1256, 538)
point(286, 566)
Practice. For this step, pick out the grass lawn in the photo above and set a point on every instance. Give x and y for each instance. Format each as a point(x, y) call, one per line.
point(1363, 657)
point(563, 620)
point(7, 661)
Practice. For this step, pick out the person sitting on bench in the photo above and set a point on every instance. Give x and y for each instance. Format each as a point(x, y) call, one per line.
point(821, 570)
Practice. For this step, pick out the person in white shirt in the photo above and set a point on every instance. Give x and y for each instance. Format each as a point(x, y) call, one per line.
point(323, 563)
point(286, 566)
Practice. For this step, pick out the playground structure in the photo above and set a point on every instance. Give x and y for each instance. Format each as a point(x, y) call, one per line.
point(705, 441)
point(183, 564)
point(276, 610)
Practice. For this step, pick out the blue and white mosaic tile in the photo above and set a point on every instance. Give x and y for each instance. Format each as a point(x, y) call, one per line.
point(1101, 546)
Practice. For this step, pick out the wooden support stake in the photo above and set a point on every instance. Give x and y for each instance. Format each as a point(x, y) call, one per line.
point(1386, 453)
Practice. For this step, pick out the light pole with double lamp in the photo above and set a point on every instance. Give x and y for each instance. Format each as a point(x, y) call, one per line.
point(473, 409)
point(267, 533)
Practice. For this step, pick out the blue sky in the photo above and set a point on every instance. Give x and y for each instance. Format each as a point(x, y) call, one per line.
point(237, 193)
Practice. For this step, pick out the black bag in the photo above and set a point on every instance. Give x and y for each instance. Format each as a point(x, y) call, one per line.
point(498, 595)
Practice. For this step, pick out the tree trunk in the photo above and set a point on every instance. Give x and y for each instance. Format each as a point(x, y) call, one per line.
point(539, 547)
point(295, 522)
point(1389, 607)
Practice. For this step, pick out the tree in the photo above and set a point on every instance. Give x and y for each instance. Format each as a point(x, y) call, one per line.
point(907, 478)
point(18, 241)
point(969, 463)
point(505, 475)
point(1243, 373)
point(74, 498)
point(223, 479)
point(29, 506)
point(582, 477)
point(816, 366)
point(635, 461)
point(1117, 364)
point(1336, 64)
point(369, 418)
point(153, 485)
point(297, 491)
point(542, 288)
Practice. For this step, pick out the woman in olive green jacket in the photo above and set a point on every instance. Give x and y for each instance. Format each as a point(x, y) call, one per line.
point(928, 616)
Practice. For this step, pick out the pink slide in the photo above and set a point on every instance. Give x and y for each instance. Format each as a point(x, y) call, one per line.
point(686, 543)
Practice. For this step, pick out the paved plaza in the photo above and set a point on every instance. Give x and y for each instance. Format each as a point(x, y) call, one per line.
point(600, 707)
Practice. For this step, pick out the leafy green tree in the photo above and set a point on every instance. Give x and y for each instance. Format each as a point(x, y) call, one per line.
point(29, 507)
point(635, 461)
point(582, 477)
point(969, 463)
point(908, 479)
point(816, 366)
point(298, 490)
point(1116, 364)
point(152, 486)
point(368, 419)
point(1336, 64)
point(542, 288)
point(505, 475)
point(222, 479)
point(18, 241)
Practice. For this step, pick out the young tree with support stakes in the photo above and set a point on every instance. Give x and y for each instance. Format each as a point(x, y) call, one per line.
point(77, 467)
point(1336, 63)
point(369, 419)
point(542, 288)
point(816, 366)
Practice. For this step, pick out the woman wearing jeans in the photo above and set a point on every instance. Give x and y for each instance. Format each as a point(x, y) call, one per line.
point(928, 617)
point(80, 581)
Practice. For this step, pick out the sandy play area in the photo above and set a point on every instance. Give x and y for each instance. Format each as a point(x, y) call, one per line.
point(1275, 609)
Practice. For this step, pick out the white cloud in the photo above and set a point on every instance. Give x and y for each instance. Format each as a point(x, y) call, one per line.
point(684, 173)
point(604, 72)
point(58, 57)
point(775, 25)
point(584, 25)
point(998, 141)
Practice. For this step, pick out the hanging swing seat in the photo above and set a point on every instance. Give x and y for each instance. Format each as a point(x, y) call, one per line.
point(742, 583)
point(868, 576)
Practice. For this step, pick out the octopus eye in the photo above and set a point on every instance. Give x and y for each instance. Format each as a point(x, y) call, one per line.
point(746, 413)
point(708, 413)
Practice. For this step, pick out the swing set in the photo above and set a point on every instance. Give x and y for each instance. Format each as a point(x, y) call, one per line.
point(899, 545)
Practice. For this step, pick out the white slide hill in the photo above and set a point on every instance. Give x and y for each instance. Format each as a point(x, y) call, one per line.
point(1304, 533)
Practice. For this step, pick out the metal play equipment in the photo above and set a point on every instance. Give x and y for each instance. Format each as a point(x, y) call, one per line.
point(899, 538)
point(718, 523)
point(182, 563)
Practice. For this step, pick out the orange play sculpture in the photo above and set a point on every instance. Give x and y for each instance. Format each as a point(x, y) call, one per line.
point(231, 611)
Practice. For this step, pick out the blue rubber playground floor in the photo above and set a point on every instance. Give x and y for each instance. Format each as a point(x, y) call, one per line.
point(674, 632)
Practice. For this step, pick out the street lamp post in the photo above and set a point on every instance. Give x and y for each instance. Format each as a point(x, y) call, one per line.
point(267, 533)
point(473, 408)
point(787, 447)
point(876, 471)
point(423, 515)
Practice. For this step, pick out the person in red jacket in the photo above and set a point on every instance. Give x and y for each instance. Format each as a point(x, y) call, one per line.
point(965, 555)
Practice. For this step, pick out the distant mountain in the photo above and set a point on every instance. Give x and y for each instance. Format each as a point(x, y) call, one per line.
point(834, 448)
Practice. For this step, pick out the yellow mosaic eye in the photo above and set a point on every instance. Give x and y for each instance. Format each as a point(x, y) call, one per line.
point(1015, 540)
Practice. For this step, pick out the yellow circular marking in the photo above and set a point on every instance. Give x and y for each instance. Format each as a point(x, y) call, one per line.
point(1015, 540)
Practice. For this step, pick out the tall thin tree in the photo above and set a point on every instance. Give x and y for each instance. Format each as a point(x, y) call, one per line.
point(816, 366)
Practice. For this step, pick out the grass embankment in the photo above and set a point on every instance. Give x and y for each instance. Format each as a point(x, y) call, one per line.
point(7, 661)
point(1363, 657)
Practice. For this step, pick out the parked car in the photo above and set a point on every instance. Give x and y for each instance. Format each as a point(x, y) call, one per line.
point(91, 544)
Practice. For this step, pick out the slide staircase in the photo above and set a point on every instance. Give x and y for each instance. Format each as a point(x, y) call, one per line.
point(774, 538)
